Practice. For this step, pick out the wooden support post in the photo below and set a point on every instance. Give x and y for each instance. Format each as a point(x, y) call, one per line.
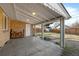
point(42, 32)
point(62, 43)
point(34, 30)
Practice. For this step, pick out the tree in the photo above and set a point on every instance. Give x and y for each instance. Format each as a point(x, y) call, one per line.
point(76, 24)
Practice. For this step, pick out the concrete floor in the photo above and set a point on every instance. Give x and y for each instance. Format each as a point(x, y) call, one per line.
point(30, 46)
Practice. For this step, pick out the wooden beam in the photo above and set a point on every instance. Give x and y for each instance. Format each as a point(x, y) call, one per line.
point(53, 19)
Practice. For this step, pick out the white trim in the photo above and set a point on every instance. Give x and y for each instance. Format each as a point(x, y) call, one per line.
point(62, 9)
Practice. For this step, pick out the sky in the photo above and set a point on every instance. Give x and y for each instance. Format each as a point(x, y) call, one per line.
point(73, 9)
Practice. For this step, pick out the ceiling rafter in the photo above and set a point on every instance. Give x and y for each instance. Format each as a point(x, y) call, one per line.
point(53, 9)
point(44, 17)
point(46, 7)
point(26, 13)
point(38, 16)
point(33, 20)
point(23, 15)
point(53, 19)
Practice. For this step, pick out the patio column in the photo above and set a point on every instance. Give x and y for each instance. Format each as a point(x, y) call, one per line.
point(31, 30)
point(62, 32)
point(42, 32)
point(34, 30)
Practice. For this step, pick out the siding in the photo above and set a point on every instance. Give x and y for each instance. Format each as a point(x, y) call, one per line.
point(4, 34)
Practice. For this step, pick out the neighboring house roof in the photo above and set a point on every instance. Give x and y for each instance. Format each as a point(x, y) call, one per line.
point(65, 26)
point(44, 12)
point(57, 25)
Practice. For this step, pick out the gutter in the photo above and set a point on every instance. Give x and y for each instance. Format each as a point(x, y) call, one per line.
point(65, 10)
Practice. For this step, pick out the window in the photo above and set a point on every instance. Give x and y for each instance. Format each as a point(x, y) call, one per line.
point(5, 23)
point(3, 20)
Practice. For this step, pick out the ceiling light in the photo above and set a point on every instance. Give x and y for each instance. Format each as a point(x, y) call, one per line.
point(34, 13)
point(27, 19)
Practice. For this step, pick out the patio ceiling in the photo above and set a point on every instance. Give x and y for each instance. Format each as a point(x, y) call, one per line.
point(32, 13)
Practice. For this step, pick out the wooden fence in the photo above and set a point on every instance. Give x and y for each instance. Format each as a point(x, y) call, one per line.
point(72, 31)
point(68, 31)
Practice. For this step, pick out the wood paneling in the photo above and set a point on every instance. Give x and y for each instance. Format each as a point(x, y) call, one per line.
point(17, 29)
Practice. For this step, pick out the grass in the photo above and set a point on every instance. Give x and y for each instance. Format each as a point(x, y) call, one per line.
point(57, 35)
point(48, 34)
point(70, 51)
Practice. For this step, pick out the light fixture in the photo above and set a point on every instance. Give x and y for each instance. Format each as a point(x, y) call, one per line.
point(33, 13)
point(27, 19)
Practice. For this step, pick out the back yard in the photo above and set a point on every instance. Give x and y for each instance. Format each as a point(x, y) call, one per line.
point(71, 43)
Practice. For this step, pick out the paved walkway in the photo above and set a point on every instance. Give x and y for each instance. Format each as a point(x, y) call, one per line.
point(30, 46)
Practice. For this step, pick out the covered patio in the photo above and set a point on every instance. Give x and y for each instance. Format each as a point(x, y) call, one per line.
point(31, 15)
point(30, 46)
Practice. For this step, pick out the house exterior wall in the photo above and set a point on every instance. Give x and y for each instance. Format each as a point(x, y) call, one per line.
point(17, 29)
point(4, 37)
point(12, 24)
point(1, 19)
point(4, 33)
